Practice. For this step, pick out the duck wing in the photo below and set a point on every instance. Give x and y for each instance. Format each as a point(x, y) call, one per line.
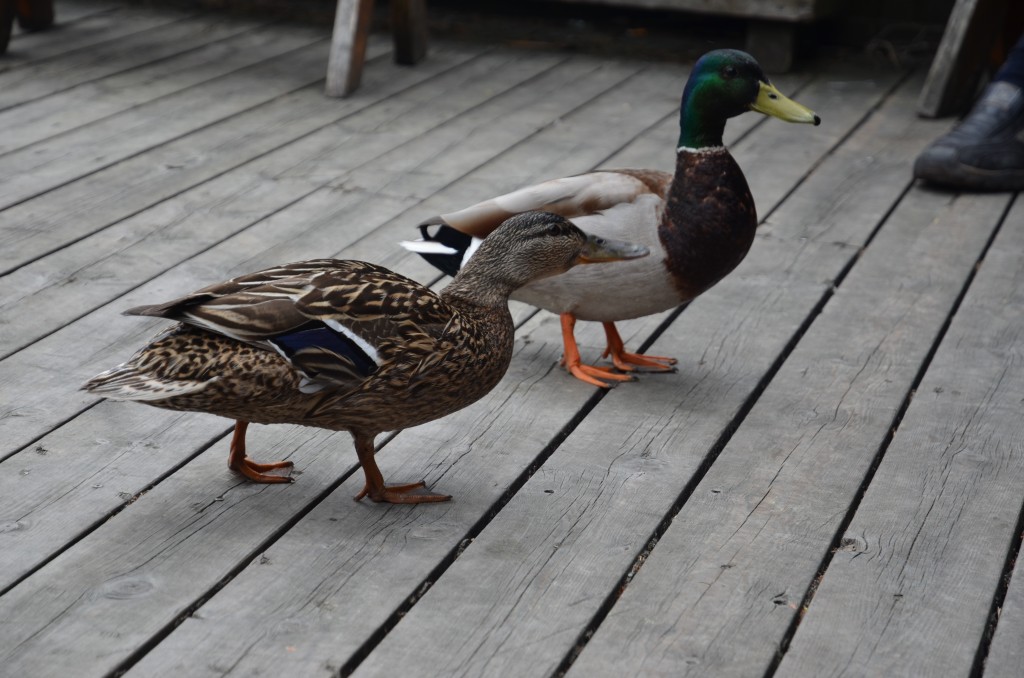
point(337, 322)
point(457, 234)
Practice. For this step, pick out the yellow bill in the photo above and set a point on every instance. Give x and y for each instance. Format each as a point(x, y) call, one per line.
point(771, 101)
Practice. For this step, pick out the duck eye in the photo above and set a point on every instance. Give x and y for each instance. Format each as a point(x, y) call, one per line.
point(729, 72)
point(555, 229)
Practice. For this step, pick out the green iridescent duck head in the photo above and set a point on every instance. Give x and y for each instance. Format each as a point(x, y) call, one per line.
point(723, 84)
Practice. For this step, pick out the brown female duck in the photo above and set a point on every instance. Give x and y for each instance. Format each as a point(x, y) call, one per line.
point(347, 345)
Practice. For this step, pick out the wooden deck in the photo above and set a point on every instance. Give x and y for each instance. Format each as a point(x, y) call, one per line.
point(831, 484)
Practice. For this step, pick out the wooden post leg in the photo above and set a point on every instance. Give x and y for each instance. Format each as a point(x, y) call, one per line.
point(348, 46)
point(35, 15)
point(409, 28)
point(953, 77)
point(6, 23)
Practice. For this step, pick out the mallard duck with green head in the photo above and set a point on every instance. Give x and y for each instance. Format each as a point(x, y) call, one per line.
point(348, 345)
point(699, 222)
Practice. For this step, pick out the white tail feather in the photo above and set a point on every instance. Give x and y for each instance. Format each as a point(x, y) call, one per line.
point(427, 247)
point(125, 382)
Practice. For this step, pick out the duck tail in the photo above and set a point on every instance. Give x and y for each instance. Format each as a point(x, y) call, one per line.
point(445, 249)
point(128, 382)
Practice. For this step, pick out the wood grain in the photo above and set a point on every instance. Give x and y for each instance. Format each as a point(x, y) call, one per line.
point(93, 24)
point(208, 50)
point(720, 590)
point(924, 554)
point(45, 165)
point(127, 546)
point(119, 57)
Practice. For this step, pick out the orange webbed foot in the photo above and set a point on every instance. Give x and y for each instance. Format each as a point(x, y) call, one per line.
point(374, 487)
point(399, 494)
point(593, 374)
point(628, 362)
point(254, 471)
point(590, 374)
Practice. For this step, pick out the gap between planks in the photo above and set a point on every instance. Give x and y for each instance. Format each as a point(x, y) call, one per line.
point(926, 552)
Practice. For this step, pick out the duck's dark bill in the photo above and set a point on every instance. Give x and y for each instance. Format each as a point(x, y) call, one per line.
point(606, 249)
point(771, 101)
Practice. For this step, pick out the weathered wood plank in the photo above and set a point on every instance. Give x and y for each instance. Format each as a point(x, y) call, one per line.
point(328, 579)
point(499, 451)
point(36, 227)
point(1006, 654)
point(141, 538)
point(25, 85)
point(37, 298)
point(910, 591)
point(109, 22)
point(720, 590)
point(80, 104)
point(303, 230)
point(289, 64)
point(69, 12)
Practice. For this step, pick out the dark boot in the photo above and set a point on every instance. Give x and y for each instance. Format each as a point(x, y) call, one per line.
point(986, 150)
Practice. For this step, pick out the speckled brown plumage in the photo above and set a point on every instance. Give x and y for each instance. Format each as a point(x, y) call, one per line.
point(347, 345)
point(435, 345)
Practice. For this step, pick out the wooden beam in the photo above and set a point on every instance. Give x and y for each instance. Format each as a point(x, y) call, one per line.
point(6, 23)
point(409, 27)
point(348, 46)
point(953, 76)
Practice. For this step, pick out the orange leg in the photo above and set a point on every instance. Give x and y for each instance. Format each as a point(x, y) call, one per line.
point(375, 488)
point(626, 361)
point(591, 374)
point(239, 463)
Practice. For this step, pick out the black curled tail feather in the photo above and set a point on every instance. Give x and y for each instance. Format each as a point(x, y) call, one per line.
point(448, 236)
